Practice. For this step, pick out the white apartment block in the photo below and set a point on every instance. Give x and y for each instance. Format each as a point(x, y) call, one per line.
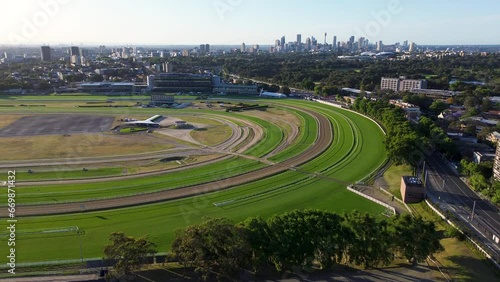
point(496, 164)
point(402, 84)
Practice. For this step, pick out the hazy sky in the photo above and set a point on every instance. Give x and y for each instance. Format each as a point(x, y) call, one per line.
point(251, 21)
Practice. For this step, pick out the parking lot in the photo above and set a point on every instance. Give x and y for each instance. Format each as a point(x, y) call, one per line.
point(56, 124)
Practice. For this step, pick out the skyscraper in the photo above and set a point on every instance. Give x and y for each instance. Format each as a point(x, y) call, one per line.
point(334, 42)
point(380, 46)
point(361, 43)
point(202, 50)
point(74, 51)
point(283, 41)
point(299, 38)
point(412, 47)
point(243, 48)
point(46, 53)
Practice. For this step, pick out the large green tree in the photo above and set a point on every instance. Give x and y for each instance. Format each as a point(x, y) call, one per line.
point(259, 234)
point(129, 252)
point(370, 244)
point(415, 238)
point(438, 107)
point(216, 248)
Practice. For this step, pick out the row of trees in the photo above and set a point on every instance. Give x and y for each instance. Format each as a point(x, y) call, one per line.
point(219, 248)
point(404, 142)
point(481, 179)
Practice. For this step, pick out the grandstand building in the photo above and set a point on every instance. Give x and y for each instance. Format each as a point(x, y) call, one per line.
point(107, 87)
point(160, 100)
point(220, 87)
point(180, 82)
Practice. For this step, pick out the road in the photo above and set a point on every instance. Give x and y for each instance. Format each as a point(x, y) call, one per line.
point(452, 194)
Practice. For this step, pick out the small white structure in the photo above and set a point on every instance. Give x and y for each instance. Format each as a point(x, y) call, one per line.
point(266, 94)
point(150, 122)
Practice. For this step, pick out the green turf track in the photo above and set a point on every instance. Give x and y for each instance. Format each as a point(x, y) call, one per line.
point(272, 137)
point(111, 189)
point(290, 190)
point(306, 137)
point(57, 174)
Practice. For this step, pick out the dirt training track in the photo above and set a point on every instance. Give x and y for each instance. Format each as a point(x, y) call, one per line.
point(323, 141)
point(56, 124)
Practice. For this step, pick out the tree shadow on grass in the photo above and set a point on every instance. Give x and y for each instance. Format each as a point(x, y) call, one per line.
point(473, 269)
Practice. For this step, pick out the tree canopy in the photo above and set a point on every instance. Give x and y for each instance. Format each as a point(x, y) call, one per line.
point(219, 248)
point(129, 252)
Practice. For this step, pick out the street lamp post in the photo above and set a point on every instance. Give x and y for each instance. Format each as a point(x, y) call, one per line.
point(473, 209)
point(81, 232)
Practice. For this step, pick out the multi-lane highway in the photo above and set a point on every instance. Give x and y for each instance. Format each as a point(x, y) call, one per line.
point(452, 194)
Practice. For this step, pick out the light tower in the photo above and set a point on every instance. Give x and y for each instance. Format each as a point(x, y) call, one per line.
point(324, 46)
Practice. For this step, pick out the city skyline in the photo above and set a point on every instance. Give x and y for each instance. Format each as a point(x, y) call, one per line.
point(231, 22)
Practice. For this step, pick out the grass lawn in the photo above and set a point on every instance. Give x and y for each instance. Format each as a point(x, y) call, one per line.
point(212, 135)
point(79, 146)
point(459, 261)
point(278, 116)
point(463, 264)
point(5, 120)
point(393, 178)
point(132, 129)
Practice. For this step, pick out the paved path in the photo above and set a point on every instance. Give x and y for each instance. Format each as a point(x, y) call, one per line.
point(381, 196)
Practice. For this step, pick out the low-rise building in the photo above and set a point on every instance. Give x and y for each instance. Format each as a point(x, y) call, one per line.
point(351, 91)
point(480, 157)
point(493, 137)
point(412, 189)
point(436, 94)
point(412, 111)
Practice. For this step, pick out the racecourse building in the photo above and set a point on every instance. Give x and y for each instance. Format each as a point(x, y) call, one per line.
point(220, 87)
point(180, 82)
point(107, 87)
